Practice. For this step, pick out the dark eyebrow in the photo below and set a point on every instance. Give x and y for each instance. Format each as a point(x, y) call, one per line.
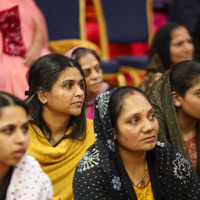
point(197, 90)
point(70, 80)
point(151, 110)
point(136, 114)
point(26, 123)
point(13, 125)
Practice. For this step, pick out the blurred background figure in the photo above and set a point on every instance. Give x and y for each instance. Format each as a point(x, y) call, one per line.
point(175, 98)
point(23, 38)
point(21, 176)
point(90, 63)
point(172, 43)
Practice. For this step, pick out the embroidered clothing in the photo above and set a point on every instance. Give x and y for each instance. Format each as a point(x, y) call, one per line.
point(101, 174)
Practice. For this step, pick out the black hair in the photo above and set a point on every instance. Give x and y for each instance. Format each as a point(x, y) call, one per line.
point(80, 52)
point(184, 75)
point(44, 72)
point(116, 102)
point(161, 45)
point(7, 99)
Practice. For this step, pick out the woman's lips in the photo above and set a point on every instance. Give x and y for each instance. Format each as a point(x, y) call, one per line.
point(149, 139)
point(78, 103)
point(96, 84)
point(19, 154)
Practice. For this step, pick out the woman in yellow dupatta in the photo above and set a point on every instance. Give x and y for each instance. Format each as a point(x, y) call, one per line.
point(59, 132)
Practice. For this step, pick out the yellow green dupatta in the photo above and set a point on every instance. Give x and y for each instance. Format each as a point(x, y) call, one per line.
point(60, 162)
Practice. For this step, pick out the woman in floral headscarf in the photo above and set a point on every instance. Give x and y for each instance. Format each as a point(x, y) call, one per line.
point(126, 162)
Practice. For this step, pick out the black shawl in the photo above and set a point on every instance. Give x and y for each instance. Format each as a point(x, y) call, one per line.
point(101, 174)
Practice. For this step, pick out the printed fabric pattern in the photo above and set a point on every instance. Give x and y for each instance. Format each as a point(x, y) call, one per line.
point(101, 174)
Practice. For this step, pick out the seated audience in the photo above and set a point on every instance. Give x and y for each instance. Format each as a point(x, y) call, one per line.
point(175, 98)
point(172, 43)
point(59, 132)
point(126, 162)
point(21, 176)
point(90, 63)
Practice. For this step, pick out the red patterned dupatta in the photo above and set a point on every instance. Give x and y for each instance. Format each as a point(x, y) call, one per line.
point(10, 28)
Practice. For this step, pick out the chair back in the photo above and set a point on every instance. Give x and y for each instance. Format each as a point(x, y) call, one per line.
point(66, 25)
point(63, 18)
point(123, 21)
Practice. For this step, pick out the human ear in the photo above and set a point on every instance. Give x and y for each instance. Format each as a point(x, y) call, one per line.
point(176, 99)
point(41, 93)
point(115, 133)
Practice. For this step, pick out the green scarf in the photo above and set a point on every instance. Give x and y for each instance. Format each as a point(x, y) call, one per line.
point(169, 130)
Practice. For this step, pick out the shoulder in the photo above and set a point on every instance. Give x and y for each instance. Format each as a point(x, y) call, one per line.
point(167, 150)
point(90, 160)
point(170, 159)
point(29, 164)
point(159, 84)
point(92, 175)
point(29, 178)
point(176, 175)
point(94, 161)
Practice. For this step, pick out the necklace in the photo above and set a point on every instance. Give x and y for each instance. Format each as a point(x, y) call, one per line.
point(142, 182)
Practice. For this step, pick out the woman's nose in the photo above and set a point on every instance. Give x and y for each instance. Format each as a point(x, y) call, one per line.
point(79, 91)
point(94, 74)
point(147, 126)
point(20, 136)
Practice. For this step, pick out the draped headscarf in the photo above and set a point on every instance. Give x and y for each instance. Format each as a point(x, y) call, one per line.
point(159, 59)
point(169, 130)
point(161, 46)
point(101, 174)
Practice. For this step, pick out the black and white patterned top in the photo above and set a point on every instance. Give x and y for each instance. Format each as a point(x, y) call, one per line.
point(100, 173)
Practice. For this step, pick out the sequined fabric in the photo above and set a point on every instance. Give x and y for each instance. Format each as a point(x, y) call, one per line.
point(10, 27)
point(154, 72)
point(101, 174)
point(169, 130)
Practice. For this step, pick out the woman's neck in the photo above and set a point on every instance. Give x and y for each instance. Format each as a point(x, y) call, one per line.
point(186, 124)
point(135, 164)
point(3, 172)
point(57, 123)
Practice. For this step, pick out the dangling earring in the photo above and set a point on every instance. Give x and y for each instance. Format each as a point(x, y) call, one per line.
point(176, 104)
